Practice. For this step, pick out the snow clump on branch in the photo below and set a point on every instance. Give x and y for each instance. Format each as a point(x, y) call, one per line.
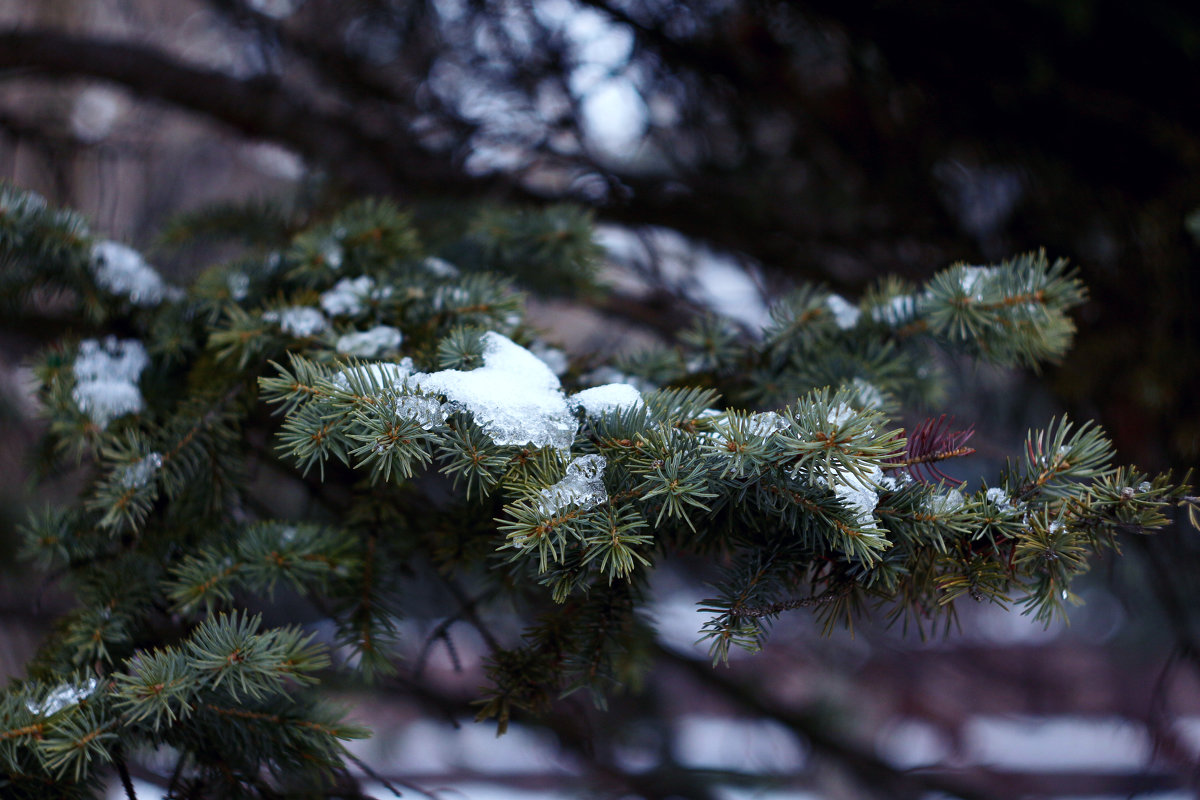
point(106, 376)
point(600, 400)
point(121, 270)
point(368, 344)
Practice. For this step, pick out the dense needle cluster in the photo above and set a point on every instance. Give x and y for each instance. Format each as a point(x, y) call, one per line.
point(388, 368)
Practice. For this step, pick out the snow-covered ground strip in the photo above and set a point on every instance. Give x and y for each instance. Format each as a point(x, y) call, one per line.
point(706, 741)
point(1057, 744)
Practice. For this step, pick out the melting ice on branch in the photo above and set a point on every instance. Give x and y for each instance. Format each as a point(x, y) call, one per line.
point(582, 487)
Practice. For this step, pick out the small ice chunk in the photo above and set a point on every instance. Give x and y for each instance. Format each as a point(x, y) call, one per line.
point(610, 397)
point(440, 268)
point(106, 376)
point(62, 696)
point(515, 398)
point(555, 359)
point(239, 285)
point(582, 487)
point(946, 503)
point(389, 376)
point(999, 498)
point(368, 344)
point(894, 483)
point(844, 313)
point(122, 270)
point(140, 472)
point(299, 321)
point(349, 295)
point(867, 394)
point(427, 412)
point(766, 423)
point(899, 310)
point(1144, 486)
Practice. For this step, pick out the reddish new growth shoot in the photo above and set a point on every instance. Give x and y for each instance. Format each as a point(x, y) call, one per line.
point(932, 441)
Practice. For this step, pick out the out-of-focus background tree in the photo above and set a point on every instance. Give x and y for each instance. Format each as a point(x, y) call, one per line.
point(727, 149)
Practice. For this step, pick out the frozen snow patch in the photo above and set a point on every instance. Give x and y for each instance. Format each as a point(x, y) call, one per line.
point(610, 397)
point(898, 311)
point(139, 473)
point(970, 279)
point(858, 494)
point(999, 498)
point(62, 696)
point(844, 314)
point(121, 270)
point(350, 295)
point(867, 394)
point(368, 344)
point(427, 412)
point(440, 268)
point(515, 397)
point(239, 285)
point(946, 503)
point(106, 376)
point(299, 321)
point(839, 414)
point(388, 376)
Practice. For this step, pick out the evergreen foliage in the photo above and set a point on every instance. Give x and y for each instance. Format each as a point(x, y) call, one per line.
point(358, 360)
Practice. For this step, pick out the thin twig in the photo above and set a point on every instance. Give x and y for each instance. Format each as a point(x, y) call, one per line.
point(756, 612)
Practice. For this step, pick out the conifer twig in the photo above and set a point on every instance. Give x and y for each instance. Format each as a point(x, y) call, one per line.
point(756, 612)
